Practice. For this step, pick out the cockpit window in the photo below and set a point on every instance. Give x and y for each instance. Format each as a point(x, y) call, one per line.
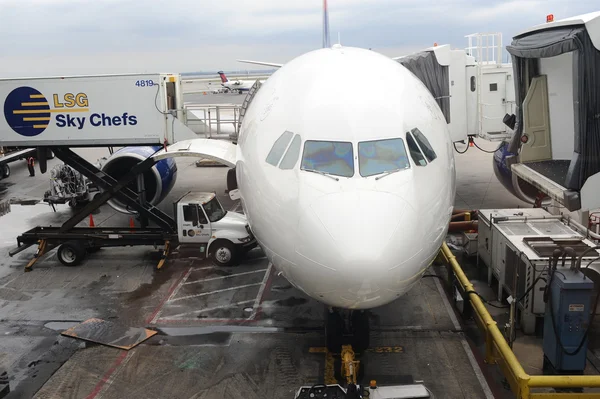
point(292, 154)
point(279, 148)
point(380, 156)
point(424, 144)
point(415, 151)
point(331, 157)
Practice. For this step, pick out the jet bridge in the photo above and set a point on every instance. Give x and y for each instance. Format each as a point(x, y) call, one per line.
point(555, 145)
point(101, 110)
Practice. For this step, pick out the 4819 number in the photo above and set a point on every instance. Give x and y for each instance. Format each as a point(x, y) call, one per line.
point(145, 83)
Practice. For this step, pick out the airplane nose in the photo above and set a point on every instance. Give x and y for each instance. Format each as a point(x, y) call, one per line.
point(358, 234)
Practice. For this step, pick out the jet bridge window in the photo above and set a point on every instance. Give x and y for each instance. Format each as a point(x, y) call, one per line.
point(424, 144)
point(279, 148)
point(330, 157)
point(415, 151)
point(380, 156)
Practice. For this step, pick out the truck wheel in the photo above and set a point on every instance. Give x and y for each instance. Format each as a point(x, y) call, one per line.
point(231, 180)
point(71, 253)
point(5, 171)
point(222, 253)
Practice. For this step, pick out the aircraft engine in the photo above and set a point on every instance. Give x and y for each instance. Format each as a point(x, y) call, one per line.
point(158, 181)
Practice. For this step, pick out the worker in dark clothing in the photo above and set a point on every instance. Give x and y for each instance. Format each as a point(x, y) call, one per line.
point(31, 166)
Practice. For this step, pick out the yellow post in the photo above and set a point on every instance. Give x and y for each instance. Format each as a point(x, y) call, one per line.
point(42, 245)
point(165, 254)
point(480, 308)
point(467, 216)
point(520, 382)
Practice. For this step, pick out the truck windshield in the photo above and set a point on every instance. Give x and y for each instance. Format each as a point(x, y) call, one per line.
point(380, 156)
point(330, 157)
point(214, 210)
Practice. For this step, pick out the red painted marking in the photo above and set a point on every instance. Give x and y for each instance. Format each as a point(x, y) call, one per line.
point(107, 375)
point(166, 298)
point(262, 297)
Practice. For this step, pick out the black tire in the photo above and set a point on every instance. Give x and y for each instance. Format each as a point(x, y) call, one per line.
point(71, 253)
point(334, 332)
point(222, 253)
point(361, 331)
point(50, 154)
point(231, 180)
point(5, 170)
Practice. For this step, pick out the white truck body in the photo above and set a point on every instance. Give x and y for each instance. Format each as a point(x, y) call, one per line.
point(202, 222)
point(127, 109)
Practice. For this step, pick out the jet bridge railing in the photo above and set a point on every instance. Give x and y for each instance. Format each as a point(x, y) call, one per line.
point(213, 120)
point(497, 351)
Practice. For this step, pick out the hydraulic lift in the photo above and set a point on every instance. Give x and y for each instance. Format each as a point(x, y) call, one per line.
point(78, 240)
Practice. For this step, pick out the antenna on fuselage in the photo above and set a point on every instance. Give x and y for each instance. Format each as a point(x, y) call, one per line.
point(326, 41)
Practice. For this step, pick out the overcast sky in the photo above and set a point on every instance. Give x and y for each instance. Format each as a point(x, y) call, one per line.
point(62, 37)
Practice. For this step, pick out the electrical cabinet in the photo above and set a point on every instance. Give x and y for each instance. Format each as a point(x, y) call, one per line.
point(516, 246)
point(569, 309)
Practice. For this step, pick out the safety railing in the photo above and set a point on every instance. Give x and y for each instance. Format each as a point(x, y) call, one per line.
point(498, 352)
point(215, 121)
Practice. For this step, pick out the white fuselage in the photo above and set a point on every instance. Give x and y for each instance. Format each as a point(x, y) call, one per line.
point(355, 242)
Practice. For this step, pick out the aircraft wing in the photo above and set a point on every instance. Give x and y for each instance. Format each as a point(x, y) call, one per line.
point(216, 150)
point(271, 64)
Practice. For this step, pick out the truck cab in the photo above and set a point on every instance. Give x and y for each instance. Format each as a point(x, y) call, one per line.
point(222, 235)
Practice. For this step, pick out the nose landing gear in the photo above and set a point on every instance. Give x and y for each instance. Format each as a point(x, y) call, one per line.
point(347, 327)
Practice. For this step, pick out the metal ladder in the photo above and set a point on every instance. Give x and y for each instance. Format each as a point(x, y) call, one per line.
point(249, 97)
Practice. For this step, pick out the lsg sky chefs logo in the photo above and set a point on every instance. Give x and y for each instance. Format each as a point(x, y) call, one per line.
point(28, 112)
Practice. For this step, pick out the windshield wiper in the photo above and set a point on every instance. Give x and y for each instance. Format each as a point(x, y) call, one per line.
point(322, 173)
point(389, 172)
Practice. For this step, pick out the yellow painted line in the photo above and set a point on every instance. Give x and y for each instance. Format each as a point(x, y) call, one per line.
point(44, 111)
point(36, 96)
point(40, 126)
point(329, 369)
point(386, 349)
point(36, 119)
point(33, 104)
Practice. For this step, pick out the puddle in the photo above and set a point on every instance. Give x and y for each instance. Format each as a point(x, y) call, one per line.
point(292, 301)
point(205, 330)
point(61, 325)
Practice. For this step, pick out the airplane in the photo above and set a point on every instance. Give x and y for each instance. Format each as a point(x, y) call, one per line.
point(238, 85)
point(349, 195)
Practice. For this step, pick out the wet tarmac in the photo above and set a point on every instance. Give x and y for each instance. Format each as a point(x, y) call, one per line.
point(235, 332)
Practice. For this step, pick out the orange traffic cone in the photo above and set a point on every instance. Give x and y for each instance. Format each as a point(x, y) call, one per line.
point(131, 223)
point(92, 221)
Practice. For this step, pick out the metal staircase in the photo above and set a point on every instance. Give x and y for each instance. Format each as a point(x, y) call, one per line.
point(111, 187)
point(249, 97)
